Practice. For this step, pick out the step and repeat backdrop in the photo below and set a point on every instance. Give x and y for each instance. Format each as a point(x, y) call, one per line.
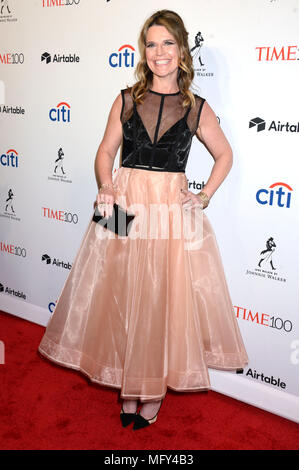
point(62, 64)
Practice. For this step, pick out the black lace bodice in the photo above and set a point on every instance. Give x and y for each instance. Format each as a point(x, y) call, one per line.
point(157, 134)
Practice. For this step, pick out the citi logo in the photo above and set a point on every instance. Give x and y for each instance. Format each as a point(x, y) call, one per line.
point(278, 194)
point(55, 262)
point(62, 113)
point(10, 158)
point(124, 57)
point(260, 125)
point(60, 215)
point(51, 306)
point(59, 3)
point(70, 58)
point(271, 54)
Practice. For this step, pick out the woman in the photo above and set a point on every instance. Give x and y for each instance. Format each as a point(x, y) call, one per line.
point(145, 313)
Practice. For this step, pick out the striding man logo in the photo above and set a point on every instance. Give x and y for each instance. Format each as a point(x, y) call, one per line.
point(8, 202)
point(268, 252)
point(3, 4)
point(59, 162)
point(196, 50)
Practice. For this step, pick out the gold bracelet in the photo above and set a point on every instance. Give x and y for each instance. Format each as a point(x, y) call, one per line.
point(205, 198)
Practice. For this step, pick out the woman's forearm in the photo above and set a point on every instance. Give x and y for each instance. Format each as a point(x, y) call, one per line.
point(103, 167)
point(220, 170)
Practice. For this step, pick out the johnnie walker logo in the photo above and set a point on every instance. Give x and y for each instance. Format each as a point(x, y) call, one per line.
point(8, 207)
point(199, 64)
point(266, 265)
point(6, 12)
point(59, 173)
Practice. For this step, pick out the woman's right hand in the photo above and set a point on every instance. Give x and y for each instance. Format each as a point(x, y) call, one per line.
point(105, 200)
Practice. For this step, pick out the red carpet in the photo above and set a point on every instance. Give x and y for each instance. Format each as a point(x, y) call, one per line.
point(46, 406)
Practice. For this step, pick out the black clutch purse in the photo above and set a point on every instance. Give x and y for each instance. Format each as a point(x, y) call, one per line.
point(119, 222)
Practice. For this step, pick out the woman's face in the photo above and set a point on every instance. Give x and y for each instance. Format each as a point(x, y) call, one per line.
point(162, 51)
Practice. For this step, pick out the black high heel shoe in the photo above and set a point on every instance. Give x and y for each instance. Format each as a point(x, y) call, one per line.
point(141, 422)
point(127, 418)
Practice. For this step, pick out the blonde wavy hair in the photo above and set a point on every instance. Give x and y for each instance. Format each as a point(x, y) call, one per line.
point(175, 26)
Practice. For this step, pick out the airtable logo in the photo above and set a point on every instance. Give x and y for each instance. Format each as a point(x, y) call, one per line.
point(124, 57)
point(280, 197)
point(56, 262)
point(276, 381)
point(10, 158)
point(10, 109)
point(62, 112)
point(11, 291)
point(69, 58)
point(260, 125)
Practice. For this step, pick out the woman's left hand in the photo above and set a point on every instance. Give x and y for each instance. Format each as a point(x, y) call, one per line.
point(190, 199)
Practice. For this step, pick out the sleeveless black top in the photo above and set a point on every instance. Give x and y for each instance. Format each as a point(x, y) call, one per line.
point(157, 134)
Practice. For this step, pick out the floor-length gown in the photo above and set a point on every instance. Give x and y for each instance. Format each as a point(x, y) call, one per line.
point(151, 310)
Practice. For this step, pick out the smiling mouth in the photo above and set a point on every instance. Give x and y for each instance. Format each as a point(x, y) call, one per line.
point(162, 62)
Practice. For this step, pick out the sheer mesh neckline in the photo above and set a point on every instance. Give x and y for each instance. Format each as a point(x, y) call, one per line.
point(165, 94)
point(159, 114)
point(157, 132)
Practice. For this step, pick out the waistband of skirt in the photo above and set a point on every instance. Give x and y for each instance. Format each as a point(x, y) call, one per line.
point(136, 167)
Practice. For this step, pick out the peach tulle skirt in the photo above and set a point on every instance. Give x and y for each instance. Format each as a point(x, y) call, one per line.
point(151, 310)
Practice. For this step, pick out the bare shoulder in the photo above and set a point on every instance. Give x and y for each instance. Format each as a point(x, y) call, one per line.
point(210, 132)
point(117, 104)
point(123, 95)
point(207, 119)
point(208, 112)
